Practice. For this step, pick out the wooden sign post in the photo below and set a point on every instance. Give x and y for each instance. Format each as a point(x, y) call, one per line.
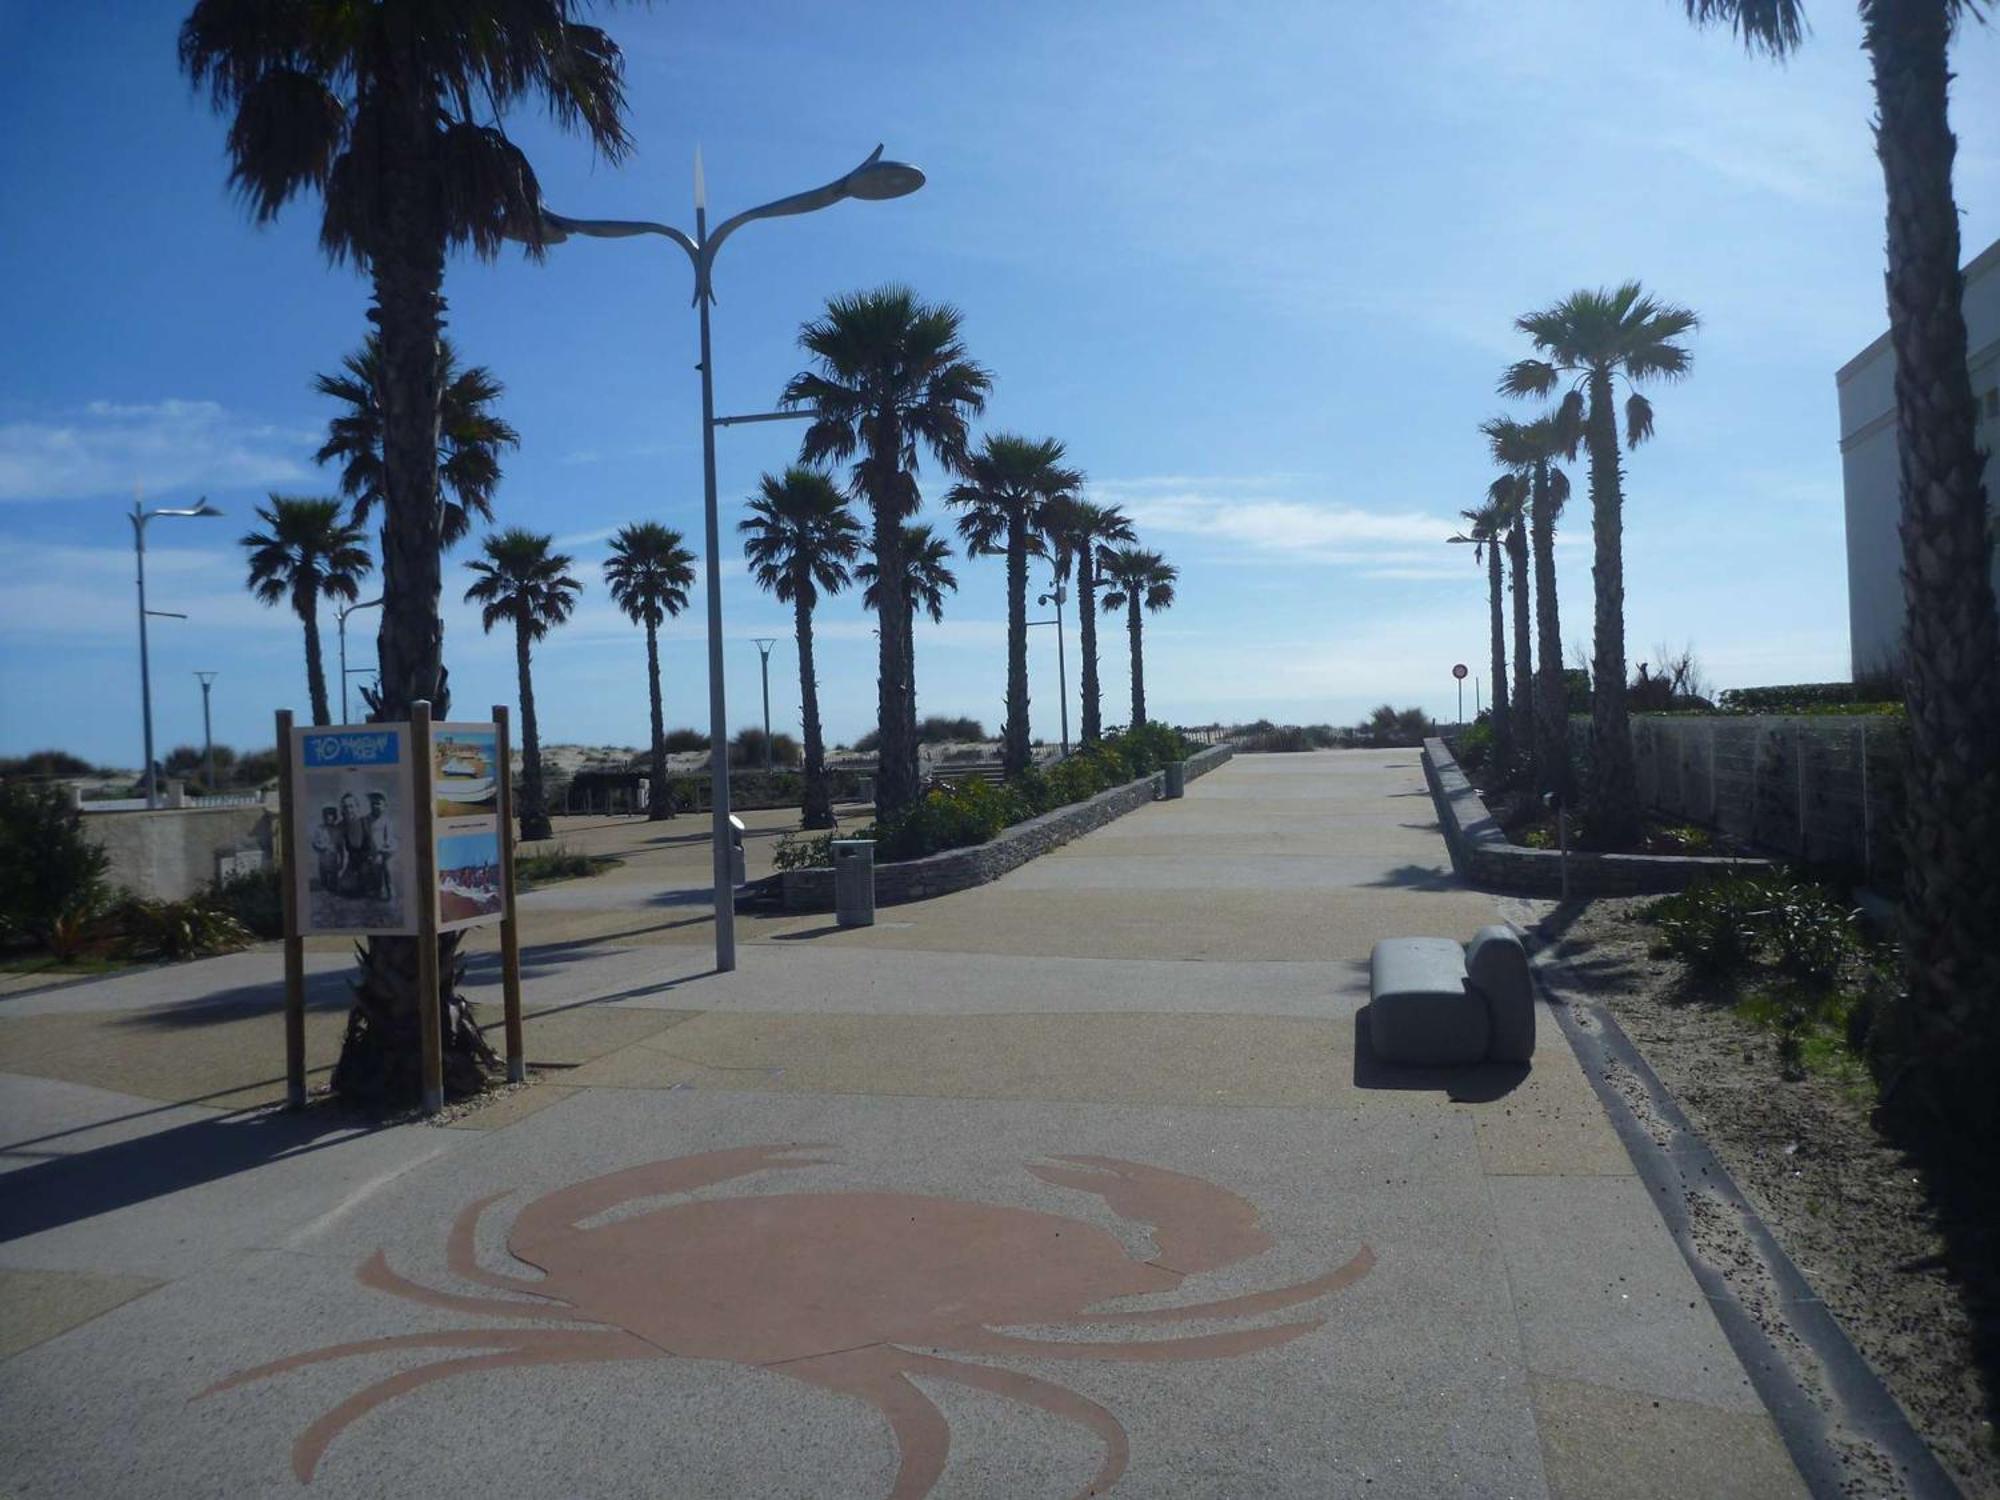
point(429, 1000)
point(510, 933)
point(288, 896)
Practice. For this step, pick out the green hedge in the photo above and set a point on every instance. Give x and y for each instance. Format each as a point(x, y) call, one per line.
point(1812, 698)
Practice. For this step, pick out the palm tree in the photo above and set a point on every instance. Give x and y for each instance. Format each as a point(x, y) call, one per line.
point(306, 551)
point(890, 376)
point(1075, 530)
point(650, 571)
point(1951, 667)
point(469, 436)
point(392, 115)
point(927, 578)
point(522, 581)
point(800, 537)
point(1136, 577)
point(1008, 483)
point(1483, 528)
point(1599, 337)
point(1530, 450)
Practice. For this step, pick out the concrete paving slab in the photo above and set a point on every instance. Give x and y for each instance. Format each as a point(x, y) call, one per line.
point(46, 1119)
point(1598, 1442)
point(37, 1305)
point(1605, 1298)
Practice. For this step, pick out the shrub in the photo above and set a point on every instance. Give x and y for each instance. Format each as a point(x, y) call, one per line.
point(559, 863)
point(254, 899)
point(684, 741)
point(938, 728)
point(805, 851)
point(1145, 748)
point(1869, 695)
point(1092, 769)
point(747, 749)
point(1388, 727)
point(44, 764)
point(868, 743)
point(1033, 788)
point(1811, 934)
point(948, 817)
point(176, 930)
point(50, 874)
point(1475, 746)
point(1711, 926)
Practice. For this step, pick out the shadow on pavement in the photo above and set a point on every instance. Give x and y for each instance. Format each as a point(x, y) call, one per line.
point(1475, 1083)
point(1415, 878)
point(67, 1189)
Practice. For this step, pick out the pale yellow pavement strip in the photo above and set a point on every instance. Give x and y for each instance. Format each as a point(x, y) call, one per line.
point(35, 1306)
point(1598, 1442)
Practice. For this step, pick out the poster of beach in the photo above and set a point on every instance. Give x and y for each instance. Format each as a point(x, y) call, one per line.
point(468, 877)
point(465, 773)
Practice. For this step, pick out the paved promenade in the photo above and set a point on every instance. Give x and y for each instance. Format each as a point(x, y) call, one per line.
point(1082, 1180)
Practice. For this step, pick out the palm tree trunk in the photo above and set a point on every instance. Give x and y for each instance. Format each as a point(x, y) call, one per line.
point(1014, 752)
point(1086, 595)
point(1524, 696)
point(534, 797)
point(659, 801)
point(818, 809)
point(1503, 717)
point(1552, 695)
point(1613, 812)
point(896, 778)
point(1948, 1037)
point(308, 609)
point(1134, 626)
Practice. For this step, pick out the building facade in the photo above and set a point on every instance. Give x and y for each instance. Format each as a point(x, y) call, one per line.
point(1872, 481)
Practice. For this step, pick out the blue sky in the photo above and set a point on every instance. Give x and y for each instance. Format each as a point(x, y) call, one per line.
point(1256, 264)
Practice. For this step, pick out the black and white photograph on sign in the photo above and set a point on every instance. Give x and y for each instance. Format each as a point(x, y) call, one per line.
point(353, 822)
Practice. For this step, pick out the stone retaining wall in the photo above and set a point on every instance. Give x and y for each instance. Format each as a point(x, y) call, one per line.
point(1482, 855)
point(961, 869)
point(169, 854)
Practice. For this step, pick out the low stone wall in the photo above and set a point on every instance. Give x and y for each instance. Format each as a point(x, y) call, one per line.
point(169, 854)
point(961, 869)
point(1482, 855)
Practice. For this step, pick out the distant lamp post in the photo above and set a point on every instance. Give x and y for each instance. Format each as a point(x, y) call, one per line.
point(139, 517)
point(341, 615)
point(873, 181)
point(764, 645)
point(1057, 596)
point(207, 680)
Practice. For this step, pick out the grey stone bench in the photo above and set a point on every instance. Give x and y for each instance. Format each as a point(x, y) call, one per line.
point(1433, 1003)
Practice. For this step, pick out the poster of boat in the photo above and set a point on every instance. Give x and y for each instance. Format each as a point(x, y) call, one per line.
point(465, 779)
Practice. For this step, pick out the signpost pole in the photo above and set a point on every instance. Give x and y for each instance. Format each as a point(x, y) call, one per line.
point(425, 897)
point(510, 934)
point(288, 899)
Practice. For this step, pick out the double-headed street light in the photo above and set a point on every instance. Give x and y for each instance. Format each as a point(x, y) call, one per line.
point(873, 181)
point(139, 517)
point(1056, 596)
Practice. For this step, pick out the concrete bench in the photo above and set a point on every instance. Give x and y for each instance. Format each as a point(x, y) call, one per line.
point(1433, 1003)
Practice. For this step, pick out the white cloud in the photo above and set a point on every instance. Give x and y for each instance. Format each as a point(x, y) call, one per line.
point(107, 448)
point(1246, 514)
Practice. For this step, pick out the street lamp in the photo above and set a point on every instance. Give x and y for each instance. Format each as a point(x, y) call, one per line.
point(207, 680)
point(764, 645)
point(341, 613)
point(1056, 596)
point(139, 517)
point(873, 181)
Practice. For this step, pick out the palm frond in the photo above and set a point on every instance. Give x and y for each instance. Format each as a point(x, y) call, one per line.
point(1638, 420)
point(1777, 27)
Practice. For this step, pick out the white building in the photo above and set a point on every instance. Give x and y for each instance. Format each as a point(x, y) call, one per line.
point(1871, 479)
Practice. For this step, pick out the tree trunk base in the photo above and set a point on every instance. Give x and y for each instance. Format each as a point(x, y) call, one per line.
point(381, 1055)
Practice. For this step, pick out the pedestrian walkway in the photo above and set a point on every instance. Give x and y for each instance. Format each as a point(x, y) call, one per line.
point(1083, 1179)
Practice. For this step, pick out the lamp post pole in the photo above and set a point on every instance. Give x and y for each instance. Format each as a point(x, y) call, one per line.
point(764, 645)
point(1056, 597)
point(207, 680)
point(341, 615)
point(873, 180)
point(139, 517)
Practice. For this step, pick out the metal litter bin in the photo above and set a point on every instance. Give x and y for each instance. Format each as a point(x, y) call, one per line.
point(739, 870)
point(854, 882)
point(1175, 784)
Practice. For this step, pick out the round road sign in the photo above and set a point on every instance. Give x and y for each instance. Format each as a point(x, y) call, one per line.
point(1459, 671)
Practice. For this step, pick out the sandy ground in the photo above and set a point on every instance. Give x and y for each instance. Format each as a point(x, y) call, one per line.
point(1850, 1209)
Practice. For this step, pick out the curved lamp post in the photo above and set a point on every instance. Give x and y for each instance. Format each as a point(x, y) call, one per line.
point(1058, 596)
point(139, 517)
point(341, 614)
point(873, 181)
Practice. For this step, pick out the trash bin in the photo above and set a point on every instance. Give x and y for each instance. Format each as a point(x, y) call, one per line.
point(739, 872)
point(854, 882)
point(1176, 779)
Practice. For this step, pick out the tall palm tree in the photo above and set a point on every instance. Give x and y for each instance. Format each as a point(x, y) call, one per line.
point(1951, 667)
point(1600, 337)
point(1530, 450)
point(470, 436)
point(927, 578)
point(1076, 529)
point(1483, 528)
point(650, 571)
point(1008, 483)
point(800, 537)
point(522, 581)
point(1136, 577)
point(306, 551)
point(890, 376)
point(391, 114)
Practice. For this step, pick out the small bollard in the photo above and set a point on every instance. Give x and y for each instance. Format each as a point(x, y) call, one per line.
point(854, 882)
point(739, 869)
point(1176, 780)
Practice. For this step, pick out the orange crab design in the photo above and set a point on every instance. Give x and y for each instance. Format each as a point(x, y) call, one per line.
point(842, 1290)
